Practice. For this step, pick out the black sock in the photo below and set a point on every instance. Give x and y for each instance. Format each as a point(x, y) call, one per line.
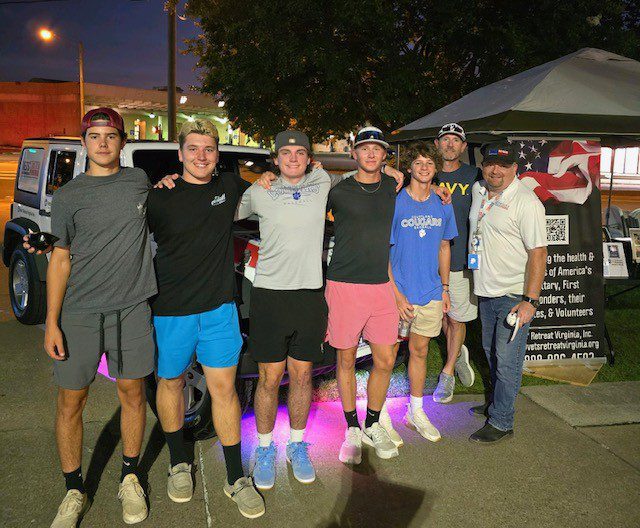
point(233, 461)
point(175, 442)
point(352, 418)
point(372, 417)
point(73, 480)
point(129, 465)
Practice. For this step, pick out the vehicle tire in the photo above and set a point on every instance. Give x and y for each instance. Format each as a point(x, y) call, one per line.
point(27, 293)
point(198, 422)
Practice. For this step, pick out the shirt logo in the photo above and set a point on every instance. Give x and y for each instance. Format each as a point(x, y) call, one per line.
point(287, 191)
point(421, 222)
point(219, 199)
point(142, 209)
point(422, 233)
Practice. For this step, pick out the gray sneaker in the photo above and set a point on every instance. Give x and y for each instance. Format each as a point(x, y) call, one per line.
point(463, 369)
point(180, 483)
point(133, 499)
point(73, 507)
point(244, 494)
point(444, 390)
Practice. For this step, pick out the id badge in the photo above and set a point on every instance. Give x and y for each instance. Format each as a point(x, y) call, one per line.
point(476, 242)
point(473, 261)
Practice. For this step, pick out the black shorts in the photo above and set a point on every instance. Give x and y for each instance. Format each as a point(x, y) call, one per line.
point(287, 323)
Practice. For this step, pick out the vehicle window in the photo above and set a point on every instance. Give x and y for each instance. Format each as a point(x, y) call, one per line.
point(28, 175)
point(61, 163)
point(157, 163)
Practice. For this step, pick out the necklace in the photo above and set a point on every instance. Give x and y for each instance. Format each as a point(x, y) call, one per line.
point(369, 192)
point(415, 199)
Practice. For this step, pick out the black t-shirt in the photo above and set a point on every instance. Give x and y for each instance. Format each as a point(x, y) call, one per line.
point(362, 226)
point(192, 226)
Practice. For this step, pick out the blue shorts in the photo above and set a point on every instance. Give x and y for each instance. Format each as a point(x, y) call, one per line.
point(213, 336)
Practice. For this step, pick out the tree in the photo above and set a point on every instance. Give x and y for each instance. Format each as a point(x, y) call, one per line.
point(330, 66)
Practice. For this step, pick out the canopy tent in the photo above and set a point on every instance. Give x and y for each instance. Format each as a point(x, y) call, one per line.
point(590, 92)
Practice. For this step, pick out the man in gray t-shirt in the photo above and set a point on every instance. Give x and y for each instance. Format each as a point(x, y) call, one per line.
point(98, 280)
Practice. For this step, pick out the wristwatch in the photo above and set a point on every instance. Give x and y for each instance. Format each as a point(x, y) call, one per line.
point(533, 302)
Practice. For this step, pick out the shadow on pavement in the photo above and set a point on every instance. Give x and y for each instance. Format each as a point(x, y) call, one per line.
point(365, 500)
point(102, 452)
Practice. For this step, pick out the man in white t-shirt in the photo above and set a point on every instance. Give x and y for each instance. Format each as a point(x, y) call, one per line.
point(508, 254)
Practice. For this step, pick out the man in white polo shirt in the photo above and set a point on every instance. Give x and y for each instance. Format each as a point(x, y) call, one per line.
point(507, 253)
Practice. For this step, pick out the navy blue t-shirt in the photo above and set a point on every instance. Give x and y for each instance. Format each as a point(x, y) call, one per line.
point(459, 183)
point(416, 233)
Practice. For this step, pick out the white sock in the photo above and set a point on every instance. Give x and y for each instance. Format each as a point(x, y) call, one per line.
point(265, 439)
point(296, 435)
point(416, 404)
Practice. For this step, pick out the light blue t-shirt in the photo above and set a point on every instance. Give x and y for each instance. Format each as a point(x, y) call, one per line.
point(417, 231)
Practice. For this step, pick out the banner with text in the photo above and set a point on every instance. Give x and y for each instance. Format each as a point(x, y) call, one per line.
point(569, 323)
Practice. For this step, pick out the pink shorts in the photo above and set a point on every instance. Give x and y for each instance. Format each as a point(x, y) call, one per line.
point(367, 309)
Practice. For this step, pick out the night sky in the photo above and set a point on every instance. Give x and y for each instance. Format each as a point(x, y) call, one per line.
point(125, 42)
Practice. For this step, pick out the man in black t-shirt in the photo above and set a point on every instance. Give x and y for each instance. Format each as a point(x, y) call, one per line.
point(194, 312)
point(358, 292)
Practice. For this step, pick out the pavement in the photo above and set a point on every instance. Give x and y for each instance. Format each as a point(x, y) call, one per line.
point(550, 474)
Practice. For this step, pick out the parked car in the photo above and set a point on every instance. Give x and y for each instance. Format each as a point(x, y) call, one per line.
point(47, 164)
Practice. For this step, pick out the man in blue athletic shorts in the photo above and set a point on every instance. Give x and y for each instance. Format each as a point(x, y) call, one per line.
point(194, 312)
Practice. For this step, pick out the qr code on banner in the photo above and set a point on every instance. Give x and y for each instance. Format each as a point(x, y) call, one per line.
point(557, 230)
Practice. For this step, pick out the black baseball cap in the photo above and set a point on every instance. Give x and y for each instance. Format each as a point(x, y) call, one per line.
point(454, 129)
point(500, 151)
point(291, 138)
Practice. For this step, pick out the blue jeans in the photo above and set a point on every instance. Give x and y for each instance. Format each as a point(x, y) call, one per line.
point(505, 358)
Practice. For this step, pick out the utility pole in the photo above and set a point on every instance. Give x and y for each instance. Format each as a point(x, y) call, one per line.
point(171, 83)
point(81, 76)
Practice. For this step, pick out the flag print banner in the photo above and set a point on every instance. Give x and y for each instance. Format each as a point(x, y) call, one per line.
point(569, 323)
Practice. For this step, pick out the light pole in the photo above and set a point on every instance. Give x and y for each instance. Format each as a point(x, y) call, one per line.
point(47, 35)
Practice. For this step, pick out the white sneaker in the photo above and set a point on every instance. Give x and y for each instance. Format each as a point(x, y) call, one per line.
point(419, 421)
point(385, 421)
point(72, 508)
point(463, 368)
point(377, 437)
point(351, 448)
point(132, 497)
point(180, 483)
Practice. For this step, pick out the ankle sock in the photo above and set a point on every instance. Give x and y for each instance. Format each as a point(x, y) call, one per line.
point(352, 418)
point(129, 465)
point(264, 440)
point(233, 461)
point(372, 417)
point(415, 403)
point(175, 443)
point(296, 435)
point(73, 480)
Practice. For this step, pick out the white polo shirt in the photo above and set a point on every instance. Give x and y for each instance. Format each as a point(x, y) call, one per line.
point(514, 224)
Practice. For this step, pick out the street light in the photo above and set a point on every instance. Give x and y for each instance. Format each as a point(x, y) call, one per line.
point(47, 36)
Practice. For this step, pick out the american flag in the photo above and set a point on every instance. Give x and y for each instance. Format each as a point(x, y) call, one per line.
point(562, 171)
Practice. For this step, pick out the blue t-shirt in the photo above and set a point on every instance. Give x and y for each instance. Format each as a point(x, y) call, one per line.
point(459, 182)
point(416, 233)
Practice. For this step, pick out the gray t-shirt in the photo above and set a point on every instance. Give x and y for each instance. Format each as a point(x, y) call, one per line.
point(102, 219)
point(291, 230)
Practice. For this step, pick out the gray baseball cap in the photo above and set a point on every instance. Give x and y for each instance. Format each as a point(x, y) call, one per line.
point(290, 138)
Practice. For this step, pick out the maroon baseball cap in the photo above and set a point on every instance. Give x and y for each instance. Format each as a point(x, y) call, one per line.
point(102, 117)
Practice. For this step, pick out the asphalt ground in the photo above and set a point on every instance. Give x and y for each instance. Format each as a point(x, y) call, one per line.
point(549, 474)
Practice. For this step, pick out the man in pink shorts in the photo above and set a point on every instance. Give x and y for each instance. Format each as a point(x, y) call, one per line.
point(358, 291)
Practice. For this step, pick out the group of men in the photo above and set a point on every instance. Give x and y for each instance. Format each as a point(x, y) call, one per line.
point(396, 256)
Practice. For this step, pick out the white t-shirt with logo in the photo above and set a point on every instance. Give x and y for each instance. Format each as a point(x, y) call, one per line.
point(514, 224)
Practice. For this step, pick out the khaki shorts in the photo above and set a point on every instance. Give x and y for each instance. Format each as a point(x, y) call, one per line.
point(427, 320)
point(464, 303)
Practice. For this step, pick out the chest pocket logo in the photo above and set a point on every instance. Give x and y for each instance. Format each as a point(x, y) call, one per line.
point(219, 200)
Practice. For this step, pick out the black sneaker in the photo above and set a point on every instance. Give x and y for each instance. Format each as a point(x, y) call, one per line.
point(488, 434)
point(480, 410)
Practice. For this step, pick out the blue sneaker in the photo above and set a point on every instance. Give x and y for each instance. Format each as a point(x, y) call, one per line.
point(298, 457)
point(264, 470)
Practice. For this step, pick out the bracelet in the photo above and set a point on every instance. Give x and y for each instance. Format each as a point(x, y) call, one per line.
point(445, 284)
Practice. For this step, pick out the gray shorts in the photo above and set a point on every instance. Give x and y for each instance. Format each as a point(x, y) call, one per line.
point(126, 336)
